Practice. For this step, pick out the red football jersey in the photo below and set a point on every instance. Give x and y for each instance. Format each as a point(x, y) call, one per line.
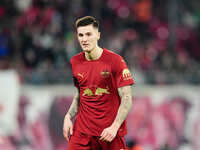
point(98, 81)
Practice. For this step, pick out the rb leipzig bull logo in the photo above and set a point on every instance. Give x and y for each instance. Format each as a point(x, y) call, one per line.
point(98, 91)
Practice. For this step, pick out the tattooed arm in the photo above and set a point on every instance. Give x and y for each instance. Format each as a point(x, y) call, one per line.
point(109, 133)
point(67, 125)
point(126, 103)
point(74, 106)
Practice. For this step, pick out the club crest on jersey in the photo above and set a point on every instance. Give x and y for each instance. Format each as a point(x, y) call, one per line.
point(105, 73)
point(126, 74)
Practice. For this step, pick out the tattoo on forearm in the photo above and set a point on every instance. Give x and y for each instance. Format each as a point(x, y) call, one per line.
point(126, 102)
point(74, 106)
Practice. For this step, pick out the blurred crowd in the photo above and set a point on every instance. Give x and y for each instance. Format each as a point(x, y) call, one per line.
point(159, 39)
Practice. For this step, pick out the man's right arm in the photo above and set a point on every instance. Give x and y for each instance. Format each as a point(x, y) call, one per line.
point(67, 125)
point(74, 106)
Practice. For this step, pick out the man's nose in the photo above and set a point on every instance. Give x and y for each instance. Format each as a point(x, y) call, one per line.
point(84, 38)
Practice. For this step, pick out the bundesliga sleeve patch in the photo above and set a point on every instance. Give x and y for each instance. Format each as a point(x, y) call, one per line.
point(126, 74)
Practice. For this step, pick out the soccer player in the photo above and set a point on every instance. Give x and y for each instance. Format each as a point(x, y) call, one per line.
point(103, 98)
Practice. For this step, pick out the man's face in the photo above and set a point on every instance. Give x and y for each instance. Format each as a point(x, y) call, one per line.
point(88, 37)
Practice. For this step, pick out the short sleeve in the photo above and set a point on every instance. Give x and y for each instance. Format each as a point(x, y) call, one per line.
point(73, 76)
point(121, 72)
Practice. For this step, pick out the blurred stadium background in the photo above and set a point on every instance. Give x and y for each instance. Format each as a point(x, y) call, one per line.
point(159, 39)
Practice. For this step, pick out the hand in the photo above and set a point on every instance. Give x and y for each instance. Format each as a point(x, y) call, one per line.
point(109, 133)
point(67, 127)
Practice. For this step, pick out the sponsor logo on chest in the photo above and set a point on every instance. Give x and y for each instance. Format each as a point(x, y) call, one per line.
point(98, 91)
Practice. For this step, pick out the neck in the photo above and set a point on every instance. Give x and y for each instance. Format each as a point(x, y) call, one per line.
point(94, 54)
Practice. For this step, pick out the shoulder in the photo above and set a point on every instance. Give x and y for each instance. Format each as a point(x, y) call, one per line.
point(112, 55)
point(77, 58)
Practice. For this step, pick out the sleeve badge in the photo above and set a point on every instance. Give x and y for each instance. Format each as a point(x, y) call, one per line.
point(126, 74)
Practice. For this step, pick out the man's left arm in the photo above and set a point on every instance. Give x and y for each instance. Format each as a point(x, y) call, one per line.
point(109, 133)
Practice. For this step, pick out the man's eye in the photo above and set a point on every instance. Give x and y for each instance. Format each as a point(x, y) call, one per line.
point(88, 34)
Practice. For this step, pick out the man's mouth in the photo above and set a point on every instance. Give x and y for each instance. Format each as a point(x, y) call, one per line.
point(85, 45)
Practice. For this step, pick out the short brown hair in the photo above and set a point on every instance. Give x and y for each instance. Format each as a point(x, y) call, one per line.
point(87, 20)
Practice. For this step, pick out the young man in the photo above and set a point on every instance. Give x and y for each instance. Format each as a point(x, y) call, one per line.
point(103, 98)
